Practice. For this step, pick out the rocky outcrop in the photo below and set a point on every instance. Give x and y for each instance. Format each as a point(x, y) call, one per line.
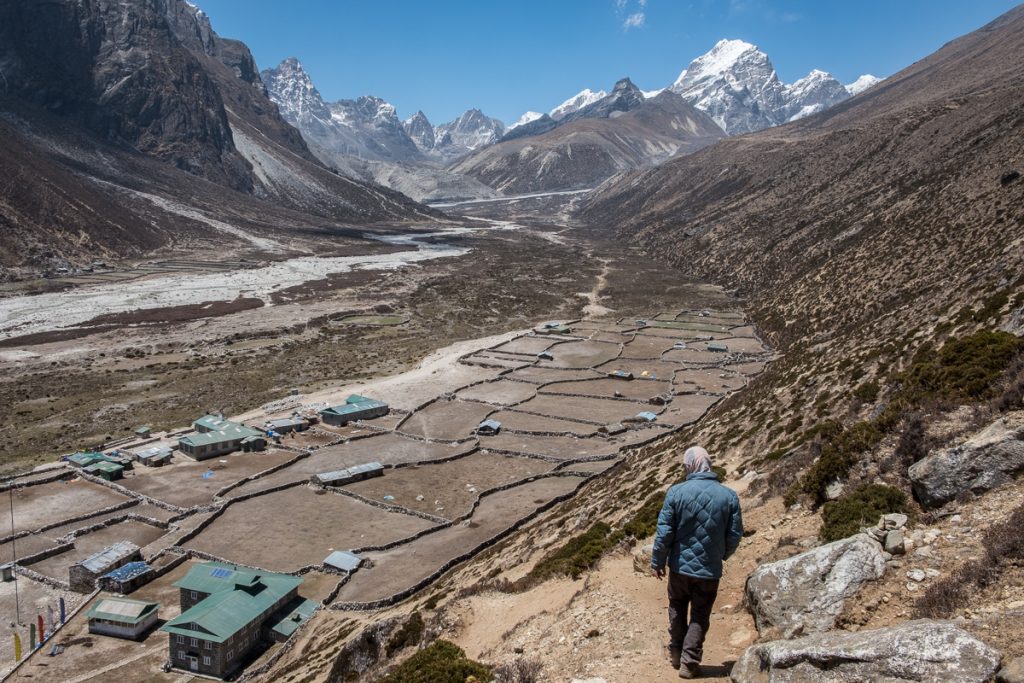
point(806, 593)
point(989, 459)
point(920, 651)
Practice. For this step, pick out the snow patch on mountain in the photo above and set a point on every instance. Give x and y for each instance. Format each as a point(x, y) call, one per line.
point(578, 101)
point(862, 84)
point(526, 118)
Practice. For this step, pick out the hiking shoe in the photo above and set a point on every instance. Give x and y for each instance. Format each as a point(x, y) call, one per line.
point(674, 654)
point(689, 671)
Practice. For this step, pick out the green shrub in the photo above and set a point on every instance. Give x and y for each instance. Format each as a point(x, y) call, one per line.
point(578, 555)
point(867, 392)
point(442, 662)
point(862, 507)
point(963, 369)
point(645, 520)
point(411, 633)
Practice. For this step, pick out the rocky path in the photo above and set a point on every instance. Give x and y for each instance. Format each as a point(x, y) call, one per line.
point(611, 625)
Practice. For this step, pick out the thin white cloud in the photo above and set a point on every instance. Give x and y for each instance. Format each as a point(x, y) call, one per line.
point(620, 4)
point(635, 20)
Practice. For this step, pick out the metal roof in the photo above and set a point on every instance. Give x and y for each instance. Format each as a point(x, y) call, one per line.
point(647, 416)
point(128, 571)
point(351, 471)
point(490, 424)
point(717, 347)
point(343, 560)
point(235, 601)
point(287, 422)
point(102, 560)
point(299, 613)
point(230, 432)
point(105, 466)
point(153, 452)
point(87, 458)
point(123, 610)
point(211, 422)
point(355, 404)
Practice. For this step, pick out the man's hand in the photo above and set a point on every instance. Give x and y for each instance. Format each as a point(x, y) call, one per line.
point(659, 574)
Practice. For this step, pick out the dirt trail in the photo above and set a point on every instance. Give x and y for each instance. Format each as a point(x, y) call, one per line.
point(594, 309)
point(612, 623)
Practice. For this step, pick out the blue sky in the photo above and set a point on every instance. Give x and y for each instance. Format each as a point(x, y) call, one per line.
point(506, 57)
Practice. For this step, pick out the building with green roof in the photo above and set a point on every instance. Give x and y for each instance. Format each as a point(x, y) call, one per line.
point(227, 612)
point(122, 618)
point(216, 436)
point(354, 408)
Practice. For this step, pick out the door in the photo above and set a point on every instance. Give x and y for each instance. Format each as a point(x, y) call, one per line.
point(193, 663)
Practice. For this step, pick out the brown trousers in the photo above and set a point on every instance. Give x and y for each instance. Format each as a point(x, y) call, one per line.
point(689, 614)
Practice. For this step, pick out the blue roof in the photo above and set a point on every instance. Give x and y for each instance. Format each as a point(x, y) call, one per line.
point(647, 415)
point(128, 571)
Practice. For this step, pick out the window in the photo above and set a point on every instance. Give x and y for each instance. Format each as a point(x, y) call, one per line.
point(230, 655)
point(208, 645)
point(206, 661)
point(181, 654)
point(194, 642)
point(179, 639)
point(192, 594)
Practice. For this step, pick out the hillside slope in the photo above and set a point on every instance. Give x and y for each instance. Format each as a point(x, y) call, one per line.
point(904, 193)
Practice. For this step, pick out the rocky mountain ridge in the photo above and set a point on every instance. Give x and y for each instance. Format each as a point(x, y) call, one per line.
point(619, 131)
point(107, 100)
point(736, 84)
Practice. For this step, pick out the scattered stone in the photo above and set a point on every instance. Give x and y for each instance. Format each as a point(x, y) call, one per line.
point(642, 558)
point(893, 520)
point(588, 680)
point(1013, 672)
point(894, 544)
point(593, 633)
point(806, 593)
point(987, 460)
point(834, 490)
point(917, 575)
point(922, 650)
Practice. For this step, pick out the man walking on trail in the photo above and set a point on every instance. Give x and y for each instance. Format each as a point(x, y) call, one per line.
point(699, 527)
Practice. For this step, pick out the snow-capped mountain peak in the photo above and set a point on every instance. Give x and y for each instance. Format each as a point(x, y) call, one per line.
point(292, 89)
point(581, 99)
point(526, 118)
point(719, 60)
point(862, 84)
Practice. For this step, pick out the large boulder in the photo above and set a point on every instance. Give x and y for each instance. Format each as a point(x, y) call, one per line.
point(920, 651)
point(806, 593)
point(989, 459)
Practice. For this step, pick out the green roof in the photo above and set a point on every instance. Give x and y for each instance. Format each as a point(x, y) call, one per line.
point(229, 432)
point(237, 598)
point(105, 466)
point(354, 404)
point(87, 458)
point(298, 614)
point(122, 610)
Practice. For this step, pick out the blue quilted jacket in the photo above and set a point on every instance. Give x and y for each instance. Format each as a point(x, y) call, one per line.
point(700, 525)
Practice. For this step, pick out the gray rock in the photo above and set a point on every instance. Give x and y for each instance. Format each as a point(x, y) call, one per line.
point(1012, 672)
point(834, 490)
point(893, 520)
point(642, 558)
point(989, 459)
point(806, 593)
point(894, 543)
point(921, 651)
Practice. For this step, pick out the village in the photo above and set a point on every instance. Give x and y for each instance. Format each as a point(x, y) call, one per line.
point(203, 550)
